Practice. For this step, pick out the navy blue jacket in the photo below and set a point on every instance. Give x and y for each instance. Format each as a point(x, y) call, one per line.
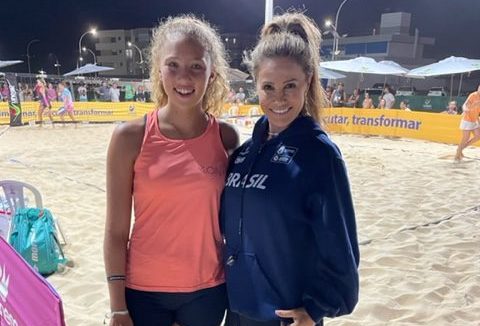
point(289, 225)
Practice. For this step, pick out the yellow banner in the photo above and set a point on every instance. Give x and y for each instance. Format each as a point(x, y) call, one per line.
point(438, 127)
point(435, 127)
point(84, 111)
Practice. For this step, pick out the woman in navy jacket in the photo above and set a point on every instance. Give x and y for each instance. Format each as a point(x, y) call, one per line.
point(287, 215)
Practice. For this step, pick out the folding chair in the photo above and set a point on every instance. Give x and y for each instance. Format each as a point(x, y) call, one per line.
point(15, 197)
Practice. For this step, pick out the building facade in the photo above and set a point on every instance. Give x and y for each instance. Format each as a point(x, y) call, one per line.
point(113, 50)
point(396, 40)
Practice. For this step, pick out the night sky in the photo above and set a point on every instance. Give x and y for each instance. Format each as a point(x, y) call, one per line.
point(59, 24)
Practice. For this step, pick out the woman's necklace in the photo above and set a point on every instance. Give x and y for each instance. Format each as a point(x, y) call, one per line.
point(272, 134)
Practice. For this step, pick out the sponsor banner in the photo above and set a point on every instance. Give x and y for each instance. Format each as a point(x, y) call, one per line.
point(14, 105)
point(84, 111)
point(435, 127)
point(26, 298)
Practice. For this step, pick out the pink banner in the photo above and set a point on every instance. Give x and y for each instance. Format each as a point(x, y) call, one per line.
point(26, 298)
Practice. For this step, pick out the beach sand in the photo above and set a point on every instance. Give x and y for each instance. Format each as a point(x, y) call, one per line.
point(418, 216)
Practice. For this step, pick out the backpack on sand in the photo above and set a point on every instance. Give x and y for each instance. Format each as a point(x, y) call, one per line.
point(34, 236)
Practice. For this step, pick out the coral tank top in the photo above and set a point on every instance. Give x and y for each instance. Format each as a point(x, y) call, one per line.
point(175, 245)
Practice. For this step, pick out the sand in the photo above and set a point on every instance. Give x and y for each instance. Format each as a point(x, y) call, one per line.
point(418, 216)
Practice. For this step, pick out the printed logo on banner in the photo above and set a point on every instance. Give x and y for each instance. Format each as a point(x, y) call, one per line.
point(4, 281)
point(284, 154)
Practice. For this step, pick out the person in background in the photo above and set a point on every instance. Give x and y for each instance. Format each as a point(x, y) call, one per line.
point(51, 93)
point(368, 102)
point(140, 94)
point(115, 93)
point(388, 97)
point(4, 92)
point(288, 219)
point(21, 93)
point(405, 105)
point(339, 96)
point(231, 96)
point(44, 105)
point(328, 93)
point(168, 269)
point(104, 92)
point(129, 93)
point(82, 93)
point(66, 98)
point(354, 99)
point(240, 96)
point(27, 93)
point(451, 108)
point(382, 104)
point(470, 123)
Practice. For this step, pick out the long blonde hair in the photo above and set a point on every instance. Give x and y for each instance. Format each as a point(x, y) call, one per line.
point(207, 36)
point(295, 36)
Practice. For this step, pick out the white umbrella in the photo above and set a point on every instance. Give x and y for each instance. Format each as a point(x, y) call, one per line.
point(329, 74)
point(363, 65)
point(448, 66)
point(236, 75)
point(394, 64)
point(88, 69)
point(7, 63)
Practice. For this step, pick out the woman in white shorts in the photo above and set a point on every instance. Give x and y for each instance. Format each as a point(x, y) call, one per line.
point(470, 123)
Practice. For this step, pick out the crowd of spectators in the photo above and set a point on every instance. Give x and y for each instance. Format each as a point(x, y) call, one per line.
point(83, 92)
point(114, 92)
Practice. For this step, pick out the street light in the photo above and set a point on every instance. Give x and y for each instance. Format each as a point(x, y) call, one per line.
point(336, 36)
point(268, 11)
point(84, 49)
point(56, 64)
point(28, 53)
point(93, 31)
point(335, 39)
point(130, 44)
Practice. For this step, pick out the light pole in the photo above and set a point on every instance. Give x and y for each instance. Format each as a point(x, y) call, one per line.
point(130, 44)
point(335, 39)
point(328, 24)
point(84, 49)
point(268, 11)
point(28, 53)
point(93, 31)
point(56, 64)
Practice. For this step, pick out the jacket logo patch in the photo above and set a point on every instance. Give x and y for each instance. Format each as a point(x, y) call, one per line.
point(284, 154)
point(242, 155)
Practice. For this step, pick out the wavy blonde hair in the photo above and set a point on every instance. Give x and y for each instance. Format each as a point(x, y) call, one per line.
point(295, 36)
point(207, 36)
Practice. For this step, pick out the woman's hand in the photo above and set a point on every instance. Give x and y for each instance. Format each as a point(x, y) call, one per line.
point(300, 317)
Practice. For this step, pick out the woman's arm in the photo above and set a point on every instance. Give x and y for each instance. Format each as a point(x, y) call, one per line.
point(332, 289)
point(122, 152)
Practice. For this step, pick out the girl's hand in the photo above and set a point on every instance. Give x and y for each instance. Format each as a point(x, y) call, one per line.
point(121, 320)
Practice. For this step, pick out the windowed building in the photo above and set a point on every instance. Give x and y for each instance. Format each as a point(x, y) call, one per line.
point(396, 40)
point(112, 50)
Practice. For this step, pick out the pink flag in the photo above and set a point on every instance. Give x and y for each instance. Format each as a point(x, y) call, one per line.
point(26, 298)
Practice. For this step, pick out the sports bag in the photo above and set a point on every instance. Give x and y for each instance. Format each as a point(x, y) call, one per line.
point(34, 236)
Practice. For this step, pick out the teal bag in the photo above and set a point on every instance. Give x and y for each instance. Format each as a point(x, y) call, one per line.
point(34, 237)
